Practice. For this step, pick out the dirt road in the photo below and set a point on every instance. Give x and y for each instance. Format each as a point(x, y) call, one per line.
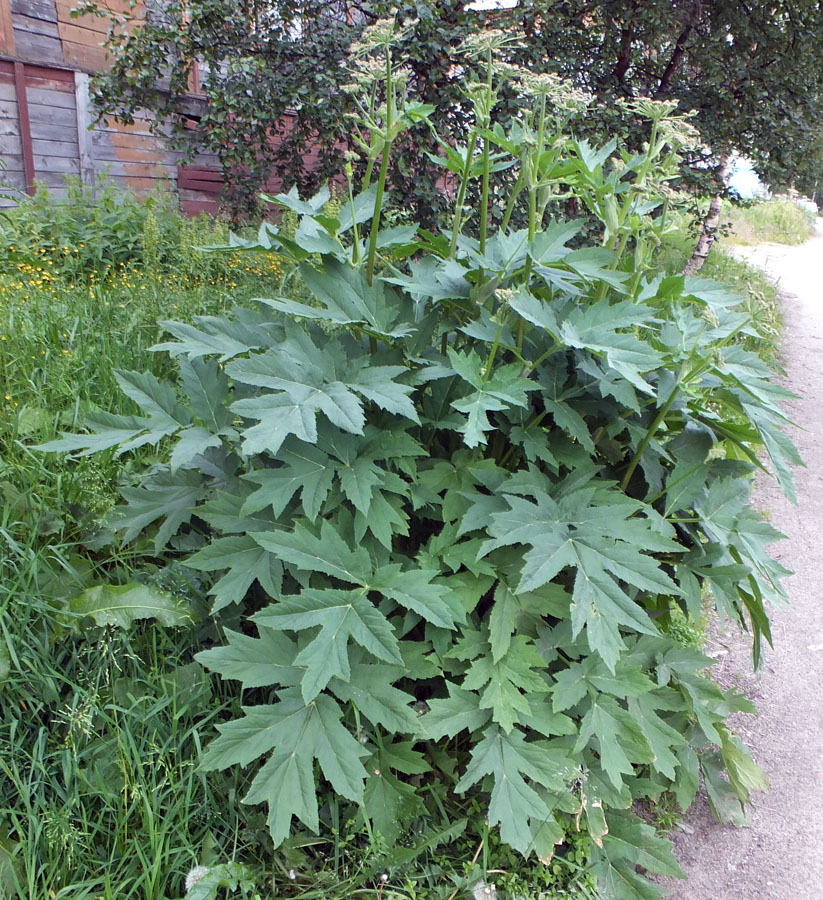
point(780, 857)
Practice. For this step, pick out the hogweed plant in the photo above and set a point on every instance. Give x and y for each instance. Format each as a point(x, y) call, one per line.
point(453, 500)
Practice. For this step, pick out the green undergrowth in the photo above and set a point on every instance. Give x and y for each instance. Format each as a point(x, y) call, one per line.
point(101, 725)
point(759, 295)
point(767, 221)
point(104, 725)
point(441, 511)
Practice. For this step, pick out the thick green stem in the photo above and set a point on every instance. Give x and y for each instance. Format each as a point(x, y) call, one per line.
point(355, 253)
point(372, 156)
point(484, 191)
point(484, 197)
point(647, 437)
point(461, 192)
point(534, 183)
point(384, 171)
point(516, 189)
point(489, 367)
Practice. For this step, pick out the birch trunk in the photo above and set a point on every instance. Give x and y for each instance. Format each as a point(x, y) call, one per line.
point(708, 233)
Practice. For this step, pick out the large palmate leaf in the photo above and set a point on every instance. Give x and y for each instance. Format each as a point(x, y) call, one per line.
point(618, 739)
point(604, 549)
point(514, 800)
point(307, 378)
point(220, 336)
point(169, 496)
point(348, 298)
point(342, 616)
point(627, 844)
point(298, 733)
point(255, 661)
point(304, 469)
point(246, 562)
point(505, 686)
point(325, 552)
point(164, 416)
point(502, 388)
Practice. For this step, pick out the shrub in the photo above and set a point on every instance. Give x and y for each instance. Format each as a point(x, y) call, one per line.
point(451, 502)
point(100, 229)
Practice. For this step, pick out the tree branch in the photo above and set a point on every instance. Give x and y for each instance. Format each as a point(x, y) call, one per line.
point(692, 20)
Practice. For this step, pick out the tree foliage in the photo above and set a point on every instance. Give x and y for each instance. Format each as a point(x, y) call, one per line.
point(272, 72)
point(450, 493)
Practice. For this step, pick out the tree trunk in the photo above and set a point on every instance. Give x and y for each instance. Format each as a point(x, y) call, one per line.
point(708, 233)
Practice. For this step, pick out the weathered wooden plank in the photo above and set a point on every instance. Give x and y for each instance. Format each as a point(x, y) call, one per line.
point(9, 127)
point(194, 208)
point(89, 59)
point(50, 98)
point(23, 119)
point(37, 47)
point(33, 25)
point(65, 7)
point(6, 29)
point(136, 170)
point(90, 34)
point(54, 181)
point(123, 139)
point(52, 114)
point(68, 149)
point(56, 165)
point(84, 121)
point(89, 23)
point(51, 75)
point(50, 79)
point(140, 185)
point(39, 9)
point(103, 153)
point(138, 129)
point(209, 181)
point(16, 181)
point(8, 109)
point(47, 131)
point(10, 145)
point(7, 92)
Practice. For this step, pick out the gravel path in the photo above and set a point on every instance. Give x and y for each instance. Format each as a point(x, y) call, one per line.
point(780, 857)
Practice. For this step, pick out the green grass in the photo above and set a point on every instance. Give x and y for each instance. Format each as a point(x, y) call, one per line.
point(101, 731)
point(774, 221)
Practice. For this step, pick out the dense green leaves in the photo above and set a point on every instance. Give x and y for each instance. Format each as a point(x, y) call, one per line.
point(447, 510)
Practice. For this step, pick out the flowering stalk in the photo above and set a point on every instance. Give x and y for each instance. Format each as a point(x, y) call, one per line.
point(461, 191)
point(484, 190)
point(384, 170)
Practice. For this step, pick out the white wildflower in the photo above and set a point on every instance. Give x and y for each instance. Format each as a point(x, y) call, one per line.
point(479, 43)
point(194, 876)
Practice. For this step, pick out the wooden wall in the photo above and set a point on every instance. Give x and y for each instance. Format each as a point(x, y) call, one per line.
point(47, 124)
